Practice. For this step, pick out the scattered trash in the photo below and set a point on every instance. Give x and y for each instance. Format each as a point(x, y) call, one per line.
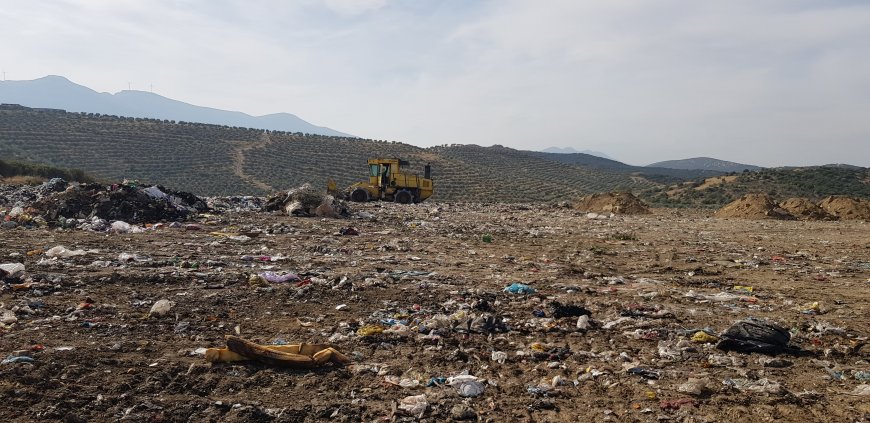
point(348, 231)
point(466, 385)
point(306, 201)
point(645, 373)
point(755, 335)
point(693, 386)
point(17, 359)
point(778, 363)
point(273, 277)
point(414, 405)
point(369, 330)
point(62, 252)
point(558, 310)
point(519, 288)
point(11, 269)
point(7, 317)
point(761, 385)
point(303, 356)
point(704, 337)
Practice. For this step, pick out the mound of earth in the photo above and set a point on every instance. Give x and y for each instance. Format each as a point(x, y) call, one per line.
point(846, 208)
point(805, 209)
point(612, 202)
point(753, 206)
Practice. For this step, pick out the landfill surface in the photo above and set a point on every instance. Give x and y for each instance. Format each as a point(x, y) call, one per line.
point(469, 312)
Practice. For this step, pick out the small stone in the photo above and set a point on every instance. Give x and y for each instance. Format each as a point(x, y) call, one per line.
point(462, 412)
point(583, 323)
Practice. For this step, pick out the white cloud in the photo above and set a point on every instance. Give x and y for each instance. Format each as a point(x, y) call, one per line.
point(774, 83)
point(354, 7)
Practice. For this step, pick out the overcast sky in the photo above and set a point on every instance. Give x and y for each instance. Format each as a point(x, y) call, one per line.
point(772, 82)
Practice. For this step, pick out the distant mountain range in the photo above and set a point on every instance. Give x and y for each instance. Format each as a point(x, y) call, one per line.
point(705, 163)
point(57, 92)
point(572, 150)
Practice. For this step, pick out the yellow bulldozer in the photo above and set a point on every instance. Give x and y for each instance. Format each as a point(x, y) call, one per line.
point(389, 182)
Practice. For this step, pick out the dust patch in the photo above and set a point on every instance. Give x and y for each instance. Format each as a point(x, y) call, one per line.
point(613, 202)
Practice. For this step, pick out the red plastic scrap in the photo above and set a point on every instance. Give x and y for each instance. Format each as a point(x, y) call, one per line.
point(303, 283)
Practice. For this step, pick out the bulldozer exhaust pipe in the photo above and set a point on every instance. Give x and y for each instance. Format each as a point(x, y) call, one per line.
point(427, 171)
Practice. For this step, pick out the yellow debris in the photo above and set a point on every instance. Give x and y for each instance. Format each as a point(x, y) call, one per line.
point(370, 330)
point(703, 337)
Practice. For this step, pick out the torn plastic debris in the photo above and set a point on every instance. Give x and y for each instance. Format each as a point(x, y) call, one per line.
point(559, 310)
point(10, 269)
point(17, 359)
point(761, 385)
point(273, 277)
point(62, 252)
point(519, 288)
point(414, 405)
point(645, 373)
point(755, 335)
point(349, 231)
point(466, 385)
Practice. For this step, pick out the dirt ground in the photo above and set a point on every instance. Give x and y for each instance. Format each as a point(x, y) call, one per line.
point(650, 282)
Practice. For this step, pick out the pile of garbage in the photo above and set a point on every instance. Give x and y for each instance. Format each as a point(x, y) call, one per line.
point(307, 201)
point(237, 203)
point(761, 206)
point(57, 202)
point(612, 202)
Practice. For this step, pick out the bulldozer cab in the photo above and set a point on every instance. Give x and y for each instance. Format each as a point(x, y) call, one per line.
point(382, 171)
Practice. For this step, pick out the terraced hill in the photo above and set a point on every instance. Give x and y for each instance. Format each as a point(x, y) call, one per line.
point(814, 183)
point(221, 160)
point(657, 174)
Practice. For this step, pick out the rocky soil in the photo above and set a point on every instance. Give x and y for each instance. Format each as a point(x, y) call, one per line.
point(417, 299)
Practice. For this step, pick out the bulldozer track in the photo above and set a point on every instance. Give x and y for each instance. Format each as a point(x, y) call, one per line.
point(239, 161)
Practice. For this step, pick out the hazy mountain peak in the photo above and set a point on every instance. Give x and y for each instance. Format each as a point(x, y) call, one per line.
point(705, 163)
point(572, 150)
point(58, 92)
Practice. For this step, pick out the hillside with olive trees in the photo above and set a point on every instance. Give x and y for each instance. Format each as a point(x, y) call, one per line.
point(222, 160)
